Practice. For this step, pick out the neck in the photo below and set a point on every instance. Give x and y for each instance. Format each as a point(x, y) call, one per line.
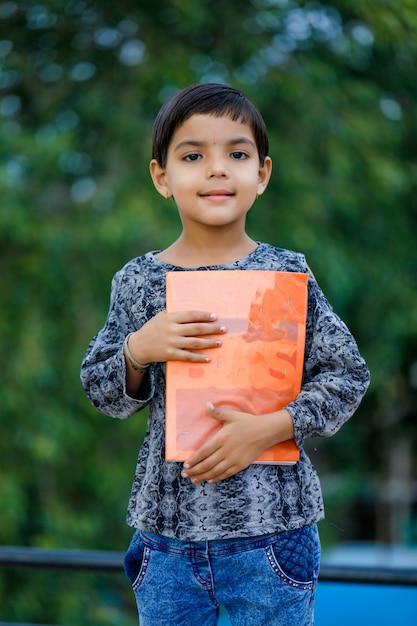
point(210, 249)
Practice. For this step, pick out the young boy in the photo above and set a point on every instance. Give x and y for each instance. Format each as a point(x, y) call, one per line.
point(218, 529)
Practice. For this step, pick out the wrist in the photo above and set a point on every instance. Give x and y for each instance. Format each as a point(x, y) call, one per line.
point(278, 427)
point(135, 365)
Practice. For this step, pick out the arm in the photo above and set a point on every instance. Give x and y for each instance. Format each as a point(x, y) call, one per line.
point(104, 370)
point(175, 336)
point(335, 380)
point(112, 384)
point(335, 374)
point(237, 444)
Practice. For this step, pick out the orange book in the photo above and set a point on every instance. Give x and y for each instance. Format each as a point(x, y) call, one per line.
point(258, 369)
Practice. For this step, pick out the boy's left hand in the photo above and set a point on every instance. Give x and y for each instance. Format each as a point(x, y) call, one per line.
point(237, 444)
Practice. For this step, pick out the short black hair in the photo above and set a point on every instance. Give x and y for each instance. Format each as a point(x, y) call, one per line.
point(206, 99)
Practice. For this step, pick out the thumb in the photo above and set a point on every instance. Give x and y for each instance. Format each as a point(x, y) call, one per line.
point(215, 412)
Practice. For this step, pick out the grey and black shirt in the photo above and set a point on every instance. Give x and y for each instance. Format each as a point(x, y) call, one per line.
point(262, 498)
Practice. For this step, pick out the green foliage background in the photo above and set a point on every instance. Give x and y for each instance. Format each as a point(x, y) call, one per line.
point(80, 84)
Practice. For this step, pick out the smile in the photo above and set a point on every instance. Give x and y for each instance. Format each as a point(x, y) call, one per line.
point(217, 194)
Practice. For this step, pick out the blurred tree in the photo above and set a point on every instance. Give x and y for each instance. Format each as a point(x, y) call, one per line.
point(80, 84)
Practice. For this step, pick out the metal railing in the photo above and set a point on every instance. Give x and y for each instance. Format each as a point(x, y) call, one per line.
point(79, 560)
point(112, 562)
point(96, 561)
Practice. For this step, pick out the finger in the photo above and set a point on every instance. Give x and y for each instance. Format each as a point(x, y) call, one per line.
point(188, 355)
point(219, 472)
point(193, 350)
point(203, 460)
point(230, 471)
point(200, 329)
point(211, 452)
point(209, 462)
point(199, 343)
point(188, 317)
point(194, 323)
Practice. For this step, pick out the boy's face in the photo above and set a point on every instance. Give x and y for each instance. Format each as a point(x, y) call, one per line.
point(212, 171)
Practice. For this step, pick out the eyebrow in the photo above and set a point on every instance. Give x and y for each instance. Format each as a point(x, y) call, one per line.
point(192, 143)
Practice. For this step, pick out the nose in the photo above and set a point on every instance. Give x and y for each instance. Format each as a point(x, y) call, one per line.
point(217, 168)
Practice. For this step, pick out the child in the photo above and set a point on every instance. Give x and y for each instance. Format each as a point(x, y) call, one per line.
point(218, 529)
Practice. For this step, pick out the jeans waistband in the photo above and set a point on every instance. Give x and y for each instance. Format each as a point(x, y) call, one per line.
point(216, 547)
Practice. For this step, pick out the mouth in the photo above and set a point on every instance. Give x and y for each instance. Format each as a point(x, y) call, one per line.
point(217, 194)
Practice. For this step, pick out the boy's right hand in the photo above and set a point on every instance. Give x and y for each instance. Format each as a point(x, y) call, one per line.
point(178, 336)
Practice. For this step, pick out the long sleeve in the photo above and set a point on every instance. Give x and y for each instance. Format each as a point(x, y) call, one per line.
point(335, 375)
point(103, 370)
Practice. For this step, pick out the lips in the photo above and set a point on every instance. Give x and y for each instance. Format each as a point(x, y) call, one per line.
point(217, 193)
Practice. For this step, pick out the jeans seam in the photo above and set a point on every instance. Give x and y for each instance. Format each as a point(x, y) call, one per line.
point(144, 566)
point(296, 584)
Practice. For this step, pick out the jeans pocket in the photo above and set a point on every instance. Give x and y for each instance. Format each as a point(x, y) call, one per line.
point(295, 557)
point(136, 560)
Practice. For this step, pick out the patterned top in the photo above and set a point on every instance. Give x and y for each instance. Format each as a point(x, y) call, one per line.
point(262, 498)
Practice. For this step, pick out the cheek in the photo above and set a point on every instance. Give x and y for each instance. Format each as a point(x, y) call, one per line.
point(250, 175)
point(182, 181)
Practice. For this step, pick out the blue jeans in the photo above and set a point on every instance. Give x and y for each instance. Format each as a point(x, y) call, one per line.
point(269, 580)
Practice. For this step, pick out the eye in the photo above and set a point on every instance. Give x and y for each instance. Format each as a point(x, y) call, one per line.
point(194, 156)
point(239, 155)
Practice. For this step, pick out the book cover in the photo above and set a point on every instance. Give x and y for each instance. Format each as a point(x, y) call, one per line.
point(258, 369)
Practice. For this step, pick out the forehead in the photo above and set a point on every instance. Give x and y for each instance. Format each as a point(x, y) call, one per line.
point(208, 128)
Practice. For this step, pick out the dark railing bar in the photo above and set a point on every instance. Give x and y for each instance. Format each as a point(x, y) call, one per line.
point(367, 575)
point(40, 558)
point(112, 562)
point(25, 624)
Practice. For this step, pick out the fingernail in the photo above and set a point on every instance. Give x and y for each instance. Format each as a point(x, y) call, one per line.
point(210, 406)
point(184, 474)
point(223, 329)
point(218, 343)
point(213, 316)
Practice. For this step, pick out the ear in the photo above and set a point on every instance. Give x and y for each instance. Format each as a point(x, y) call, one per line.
point(264, 175)
point(159, 179)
